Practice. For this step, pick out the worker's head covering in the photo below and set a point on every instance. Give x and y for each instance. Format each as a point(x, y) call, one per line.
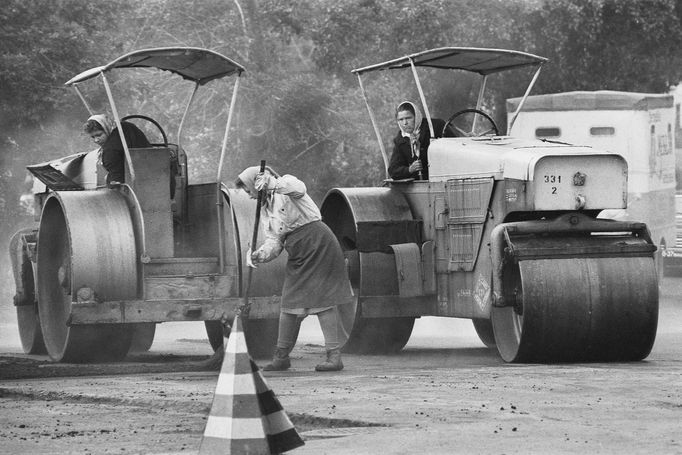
point(414, 134)
point(107, 124)
point(247, 178)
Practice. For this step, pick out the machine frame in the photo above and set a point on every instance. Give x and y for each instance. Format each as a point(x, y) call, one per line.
point(482, 237)
point(149, 259)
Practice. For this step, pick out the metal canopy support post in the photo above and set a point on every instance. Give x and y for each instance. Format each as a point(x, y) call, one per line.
point(423, 99)
point(120, 129)
point(80, 95)
point(374, 124)
point(479, 100)
point(523, 100)
point(219, 196)
point(184, 114)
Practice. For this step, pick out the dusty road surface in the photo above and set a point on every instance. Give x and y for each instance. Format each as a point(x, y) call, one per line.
point(444, 394)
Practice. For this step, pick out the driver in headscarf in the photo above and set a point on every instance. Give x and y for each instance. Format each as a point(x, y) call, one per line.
point(103, 131)
point(409, 158)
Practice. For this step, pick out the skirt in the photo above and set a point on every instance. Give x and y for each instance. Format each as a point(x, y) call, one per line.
point(315, 275)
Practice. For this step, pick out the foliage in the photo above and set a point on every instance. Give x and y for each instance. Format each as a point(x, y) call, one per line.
point(300, 107)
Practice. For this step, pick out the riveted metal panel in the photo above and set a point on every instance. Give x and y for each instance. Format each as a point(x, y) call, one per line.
point(468, 199)
point(464, 243)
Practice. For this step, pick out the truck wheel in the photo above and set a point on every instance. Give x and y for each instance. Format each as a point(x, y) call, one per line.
point(86, 240)
point(611, 316)
point(484, 330)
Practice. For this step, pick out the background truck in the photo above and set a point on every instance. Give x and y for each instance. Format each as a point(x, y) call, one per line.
point(638, 126)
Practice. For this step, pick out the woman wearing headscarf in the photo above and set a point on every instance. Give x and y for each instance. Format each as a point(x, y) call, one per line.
point(103, 131)
point(316, 280)
point(409, 158)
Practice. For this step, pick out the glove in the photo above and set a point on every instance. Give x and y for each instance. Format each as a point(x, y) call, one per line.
point(249, 259)
point(416, 166)
point(264, 182)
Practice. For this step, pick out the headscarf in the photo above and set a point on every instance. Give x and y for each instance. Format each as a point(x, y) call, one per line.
point(107, 124)
point(414, 135)
point(248, 177)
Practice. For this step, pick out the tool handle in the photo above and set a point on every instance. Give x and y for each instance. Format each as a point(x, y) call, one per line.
point(245, 307)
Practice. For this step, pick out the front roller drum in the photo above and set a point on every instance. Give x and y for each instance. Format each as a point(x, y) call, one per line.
point(86, 245)
point(578, 309)
point(25, 302)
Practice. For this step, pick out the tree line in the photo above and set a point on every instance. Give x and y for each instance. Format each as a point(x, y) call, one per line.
point(300, 106)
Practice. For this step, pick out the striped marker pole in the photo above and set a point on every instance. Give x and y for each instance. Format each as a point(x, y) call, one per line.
point(245, 418)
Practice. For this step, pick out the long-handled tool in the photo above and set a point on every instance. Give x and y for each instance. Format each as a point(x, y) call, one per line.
point(246, 306)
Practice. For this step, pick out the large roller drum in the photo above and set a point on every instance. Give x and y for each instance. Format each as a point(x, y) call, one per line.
point(266, 280)
point(86, 242)
point(143, 336)
point(342, 210)
point(578, 309)
point(25, 302)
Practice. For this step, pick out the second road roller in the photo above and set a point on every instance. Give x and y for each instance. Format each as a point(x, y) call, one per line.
point(505, 232)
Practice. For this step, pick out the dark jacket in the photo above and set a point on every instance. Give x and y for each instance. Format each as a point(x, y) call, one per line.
point(113, 155)
point(401, 158)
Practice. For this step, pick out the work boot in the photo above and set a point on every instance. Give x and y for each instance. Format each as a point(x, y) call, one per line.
point(333, 362)
point(280, 361)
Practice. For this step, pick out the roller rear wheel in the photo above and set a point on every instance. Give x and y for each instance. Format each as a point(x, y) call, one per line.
point(260, 335)
point(143, 336)
point(579, 309)
point(379, 335)
point(86, 240)
point(484, 330)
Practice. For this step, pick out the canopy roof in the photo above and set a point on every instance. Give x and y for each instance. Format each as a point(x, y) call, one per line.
point(192, 63)
point(478, 60)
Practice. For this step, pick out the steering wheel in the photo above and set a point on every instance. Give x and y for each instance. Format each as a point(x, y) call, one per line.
point(469, 126)
point(153, 122)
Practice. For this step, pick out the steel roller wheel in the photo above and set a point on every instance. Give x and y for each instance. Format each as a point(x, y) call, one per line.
point(484, 330)
point(143, 336)
point(578, 309)
point(379, 335)
point(260, 335)
point(266, 280)
point(214, 332)
point(341, 210)
point(86, 240)
point(28, 321)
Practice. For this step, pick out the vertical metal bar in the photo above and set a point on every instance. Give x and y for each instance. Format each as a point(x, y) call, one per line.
point(120, 129)
point(80, 95)
point(219, 195)
point(374, 125)
point(523, 100)
point(227, 129)
point(423, 99)
point(479, 101)
point(184, 114)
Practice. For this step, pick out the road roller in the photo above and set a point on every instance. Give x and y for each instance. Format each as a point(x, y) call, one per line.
point(106, 263)
point(505, 232)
